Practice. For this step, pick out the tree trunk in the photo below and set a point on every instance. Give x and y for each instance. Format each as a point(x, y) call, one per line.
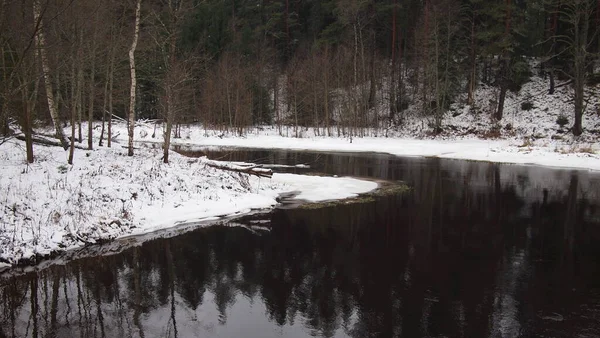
point(58, 97)
point(326, 89)
point(373, 87)
point(315, 72)
point(399, 95)
point(503, 89)
point(168, 126)
point(4, 117)
point(471, 85)
point(131, 119)
point(425, 59)
point(500, 111)
point(442, 107)
point(276, 101)
point(438, 93)
point(167, 141)
point(392, 101)
point(73, 110)
point(110, 102)
point(580, 40)
point(80, 86)
point(4, 89)
point(485, 71)
point(91, 97)
point(355, 58)
point(72, 146)
point(578, 125)
point(41, 45)
point(552, 84)
point(27, 130)
point(504, 73)
point(287, 29)
point(104, 102)
point(4, 97)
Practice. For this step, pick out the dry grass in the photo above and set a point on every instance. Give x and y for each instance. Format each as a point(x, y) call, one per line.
point(493, 133)
point(527, 143)
point(576, 149)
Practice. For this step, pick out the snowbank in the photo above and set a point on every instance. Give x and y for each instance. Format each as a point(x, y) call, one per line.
point(49, 206)
point(317, 189)
point(503, 151)
point(551, 153)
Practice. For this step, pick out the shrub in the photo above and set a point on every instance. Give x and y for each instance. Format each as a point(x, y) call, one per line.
point(520, 74)
point(562, 120)
point(493, 133)
point(583, 149)
point(62, 169)
point(527, 143)
point(527, 106)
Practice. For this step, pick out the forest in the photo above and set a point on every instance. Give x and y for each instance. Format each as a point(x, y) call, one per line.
point(339, 66)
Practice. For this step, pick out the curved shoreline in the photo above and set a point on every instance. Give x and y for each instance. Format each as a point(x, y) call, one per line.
point(50, 208)
point(119, 244)
point(543, 152)
point(496, 151)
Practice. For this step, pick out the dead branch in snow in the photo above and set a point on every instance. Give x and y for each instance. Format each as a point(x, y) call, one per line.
point(245, 168)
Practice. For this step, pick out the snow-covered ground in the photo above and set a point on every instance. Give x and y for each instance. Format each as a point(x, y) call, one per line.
point(553, 153)
point(531, 113)
point(49, 206)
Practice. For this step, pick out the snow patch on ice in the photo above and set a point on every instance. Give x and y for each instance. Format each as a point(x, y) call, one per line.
point(319, 189)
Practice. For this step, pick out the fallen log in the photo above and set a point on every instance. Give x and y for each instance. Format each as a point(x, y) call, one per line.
point(46, 142)
point(250, 169)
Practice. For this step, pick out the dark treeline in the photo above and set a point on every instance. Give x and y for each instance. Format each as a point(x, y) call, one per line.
point(338, 65)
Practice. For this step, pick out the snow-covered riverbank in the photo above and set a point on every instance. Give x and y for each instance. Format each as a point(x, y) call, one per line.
point(535, 130)
point(50, 206)
point(545, 152)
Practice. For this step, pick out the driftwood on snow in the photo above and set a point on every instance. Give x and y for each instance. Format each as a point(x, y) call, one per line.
point(245, 168)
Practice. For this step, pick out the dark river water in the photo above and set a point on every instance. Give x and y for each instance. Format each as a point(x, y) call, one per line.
point(473, 250)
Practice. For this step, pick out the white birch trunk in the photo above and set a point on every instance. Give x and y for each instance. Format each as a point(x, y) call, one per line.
point(41, 44)
point(131, 120)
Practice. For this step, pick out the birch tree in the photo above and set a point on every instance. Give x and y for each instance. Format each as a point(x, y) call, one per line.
point(131, 117)
point(41, 48)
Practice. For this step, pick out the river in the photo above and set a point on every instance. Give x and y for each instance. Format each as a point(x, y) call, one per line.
point(472, 250)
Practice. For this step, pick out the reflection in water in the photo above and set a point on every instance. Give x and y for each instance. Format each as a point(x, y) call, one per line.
point(474, 250)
